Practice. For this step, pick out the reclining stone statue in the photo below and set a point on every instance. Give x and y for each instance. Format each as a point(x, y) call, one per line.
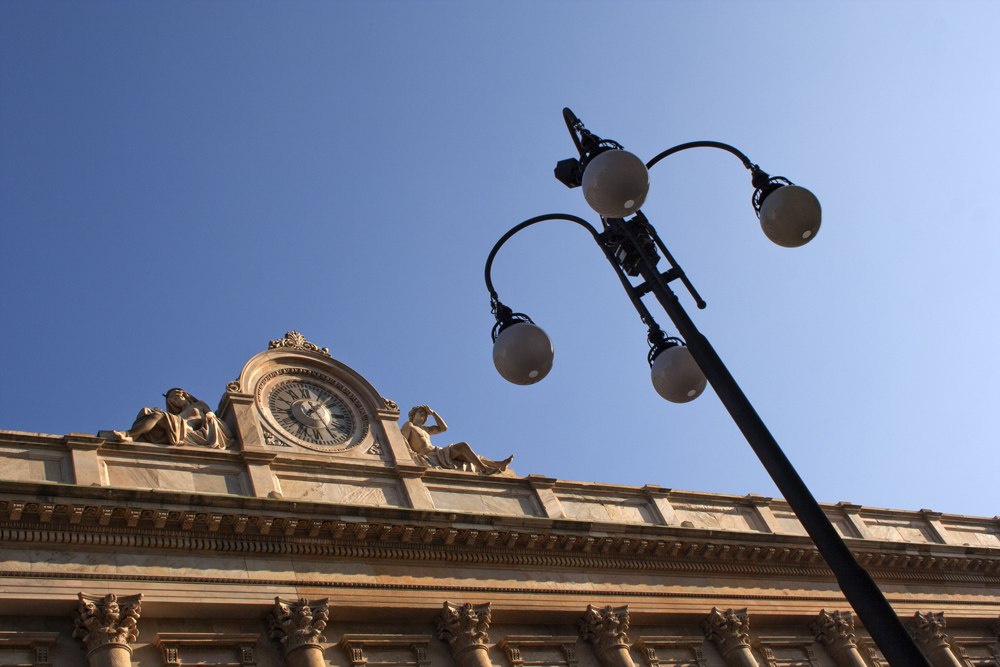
point(187, 421)
point(458, 456)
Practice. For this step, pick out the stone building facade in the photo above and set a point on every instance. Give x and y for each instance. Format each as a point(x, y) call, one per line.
point(304, 531)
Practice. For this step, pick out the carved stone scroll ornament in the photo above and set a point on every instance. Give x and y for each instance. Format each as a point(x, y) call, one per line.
point(729, 630)
point(107, 625)
point(295, 340)
point(606, 630)
point(464, 628)
point(298, 625)
point(927, 631)
point(835, 631)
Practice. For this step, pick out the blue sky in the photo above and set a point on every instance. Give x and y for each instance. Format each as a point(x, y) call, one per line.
point(182, 182)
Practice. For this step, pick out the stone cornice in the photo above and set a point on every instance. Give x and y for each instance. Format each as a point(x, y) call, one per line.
point(144, 519)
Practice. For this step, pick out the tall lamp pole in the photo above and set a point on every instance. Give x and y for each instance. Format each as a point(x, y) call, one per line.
point(615, 183)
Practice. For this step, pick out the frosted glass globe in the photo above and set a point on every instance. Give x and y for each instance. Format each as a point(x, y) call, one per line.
point(615, 183)
point(790, 216)
point(523, 353)
point(676, 376)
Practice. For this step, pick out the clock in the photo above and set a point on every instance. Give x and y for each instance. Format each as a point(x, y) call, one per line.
point(311, 409)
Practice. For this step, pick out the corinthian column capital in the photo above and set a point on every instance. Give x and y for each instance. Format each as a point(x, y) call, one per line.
point(464, 626)
point(834, 630)
point(926, 629)
point(605, 628)
point(298, 623)
point(727, 628)
point(108, 621)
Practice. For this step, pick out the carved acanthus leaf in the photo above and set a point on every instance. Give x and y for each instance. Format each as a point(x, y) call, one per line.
point(727, 629)
point(298, 622)
point(297, 341)
point(605, 628)
point(107, 620)
point(464, 626)
point(835, 631)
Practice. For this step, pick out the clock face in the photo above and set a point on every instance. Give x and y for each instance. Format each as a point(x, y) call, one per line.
point(311, 413)
point(312, 410)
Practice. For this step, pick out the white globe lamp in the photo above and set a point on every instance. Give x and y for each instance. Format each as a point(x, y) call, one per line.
point(676, 376)
point(523, 353)
point(615, 183)
point(790, 216)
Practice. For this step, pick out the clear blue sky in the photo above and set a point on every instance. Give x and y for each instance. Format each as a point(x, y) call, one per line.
point(181, 182)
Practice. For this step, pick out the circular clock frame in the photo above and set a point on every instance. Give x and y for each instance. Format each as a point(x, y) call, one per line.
point(310, 408)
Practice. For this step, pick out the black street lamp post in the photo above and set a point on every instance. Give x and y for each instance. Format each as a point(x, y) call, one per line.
point(615, 184)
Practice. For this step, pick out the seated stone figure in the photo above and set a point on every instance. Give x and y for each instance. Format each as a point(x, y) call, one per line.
point(187, 421)
point(458, 456)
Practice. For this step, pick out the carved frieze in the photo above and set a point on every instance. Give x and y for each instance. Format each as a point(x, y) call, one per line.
point(296, 623)
point(107, 620)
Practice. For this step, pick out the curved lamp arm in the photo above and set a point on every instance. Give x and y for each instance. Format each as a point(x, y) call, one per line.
point(640, 307)
point(703, 144)
point(763, 183)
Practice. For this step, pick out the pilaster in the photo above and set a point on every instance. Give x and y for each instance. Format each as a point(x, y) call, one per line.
point(236, 409)
point(762, 505)
point(853, 515)
point(413, 484)
point(543, 487)
point(86, 464)
point(660, 499)
point(937, 529)
point(262, 478)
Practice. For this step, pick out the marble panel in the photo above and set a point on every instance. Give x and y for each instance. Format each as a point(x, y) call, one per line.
point(190, 480)
point(788, 524)
point(359, 491)
point(32, 469)
point(720, 517)
point(975, 536)
point(899, 529)
point(17, 656)
point(615, 510)
point(486, 499)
